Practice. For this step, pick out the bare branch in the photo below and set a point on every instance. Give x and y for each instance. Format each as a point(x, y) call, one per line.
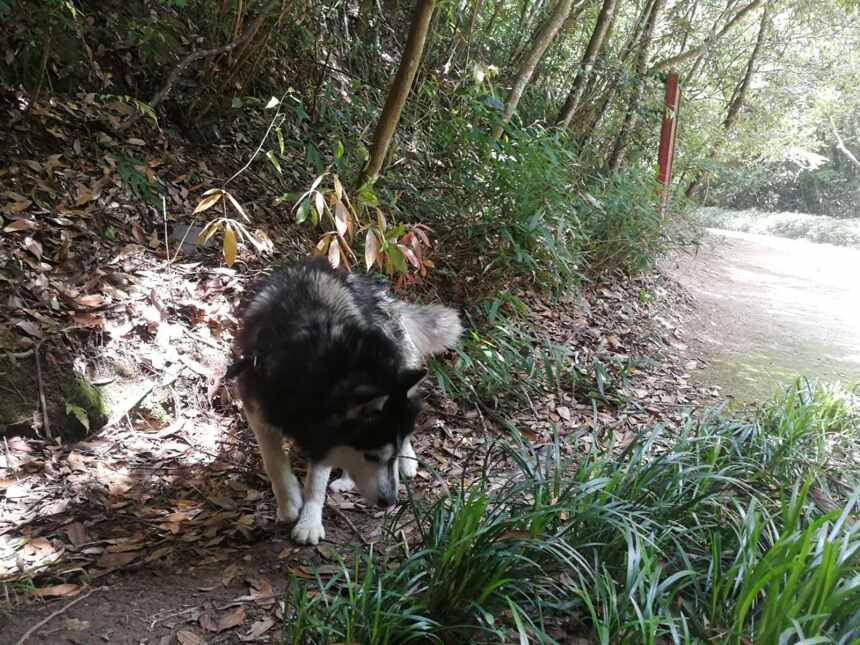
point(668, 63)
point(841, 144)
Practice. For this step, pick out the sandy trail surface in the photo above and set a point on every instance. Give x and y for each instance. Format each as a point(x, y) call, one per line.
point(770, 309)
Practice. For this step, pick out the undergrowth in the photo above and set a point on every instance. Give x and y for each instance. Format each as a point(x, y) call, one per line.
point(505, 359)
point(734, 530)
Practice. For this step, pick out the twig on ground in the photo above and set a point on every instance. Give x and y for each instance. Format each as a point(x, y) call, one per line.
point(46, 423)
point(30, 632)
point(354, 528)
point(17, 355)
point(182, 241)
point(166, 241)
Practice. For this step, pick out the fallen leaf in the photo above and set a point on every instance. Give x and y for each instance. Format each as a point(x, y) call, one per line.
point(76, 625)
point(57, 591)
point(327, 551)
point(88, 320)
point(92, 300)
point(33, 247)
point(231, 619)
point(229, 573)
point(29, 327)
point(184, 637)
point(77, 534)
point(115, 560)
point(17, 491)
point(262, 592)
point(207, 622)
point(258, 629)
point(563, 412)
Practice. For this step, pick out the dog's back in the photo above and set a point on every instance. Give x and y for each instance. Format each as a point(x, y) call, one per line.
point(312, 337)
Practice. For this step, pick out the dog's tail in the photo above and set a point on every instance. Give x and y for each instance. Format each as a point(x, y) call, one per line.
point(433, 328)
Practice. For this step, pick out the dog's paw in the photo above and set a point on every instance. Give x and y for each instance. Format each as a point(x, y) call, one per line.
point(290, 512)
point(289, 508)
point(308, 532)
point(342, 484)
point(408, 467)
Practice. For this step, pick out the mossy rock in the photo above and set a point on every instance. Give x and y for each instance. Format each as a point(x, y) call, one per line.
point(76, 407)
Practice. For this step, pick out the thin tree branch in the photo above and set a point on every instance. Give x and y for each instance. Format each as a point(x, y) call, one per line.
point(841, 144)
point(668, 63)
point(49, 618)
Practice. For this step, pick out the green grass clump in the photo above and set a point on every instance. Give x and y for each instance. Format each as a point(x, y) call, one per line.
point(733, 530)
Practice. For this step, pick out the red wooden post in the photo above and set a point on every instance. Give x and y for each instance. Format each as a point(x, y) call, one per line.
point(667, 138)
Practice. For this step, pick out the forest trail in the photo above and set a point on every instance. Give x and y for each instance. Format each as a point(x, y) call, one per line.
point(770, 309)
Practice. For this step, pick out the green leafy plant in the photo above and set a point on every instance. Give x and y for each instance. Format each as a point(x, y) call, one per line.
point(233, 228)
point(396, 249)
point(683, 538)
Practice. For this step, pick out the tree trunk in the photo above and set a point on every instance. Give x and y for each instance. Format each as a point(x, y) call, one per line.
point(739, 96)
point(598, 37)
point(399, 90)
point(473, 19)
point(597, 112)
point(631, 115)
point(542, 40)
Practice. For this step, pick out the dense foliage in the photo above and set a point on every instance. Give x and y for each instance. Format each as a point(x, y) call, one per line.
point(523, 160)
point(738, 530)
point(548, 200)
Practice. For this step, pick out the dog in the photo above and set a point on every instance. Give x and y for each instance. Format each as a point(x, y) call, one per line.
point(334, 361)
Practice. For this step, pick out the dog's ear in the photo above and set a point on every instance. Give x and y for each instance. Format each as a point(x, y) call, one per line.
point(409, 380)
point(367, 399)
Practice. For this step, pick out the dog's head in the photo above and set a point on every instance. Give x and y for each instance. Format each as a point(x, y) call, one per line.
point(369, 433)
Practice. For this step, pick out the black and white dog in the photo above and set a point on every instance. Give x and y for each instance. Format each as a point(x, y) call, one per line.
point(333, 361)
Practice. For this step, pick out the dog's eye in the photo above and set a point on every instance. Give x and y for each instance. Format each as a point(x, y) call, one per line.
point(374, 459)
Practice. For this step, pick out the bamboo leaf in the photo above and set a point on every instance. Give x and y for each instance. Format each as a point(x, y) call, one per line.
point(322, 245)
point(341, 217)
point(334, 254)
point(303, 211)
point(208, 231)
point(319, 204)
point(371, 249)
point(230, 245)
point(277, 164)
point(409, 255)
point(209, 201)
point(237, 206)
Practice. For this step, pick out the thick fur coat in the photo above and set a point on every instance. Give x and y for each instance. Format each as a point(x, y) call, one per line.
point(333, 361)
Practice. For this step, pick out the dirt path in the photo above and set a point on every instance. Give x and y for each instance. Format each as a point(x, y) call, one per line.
point(769, 309)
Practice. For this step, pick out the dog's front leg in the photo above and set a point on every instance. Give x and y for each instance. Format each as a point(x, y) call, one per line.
point(285, 485)
point(408, 460)
point(309, 529)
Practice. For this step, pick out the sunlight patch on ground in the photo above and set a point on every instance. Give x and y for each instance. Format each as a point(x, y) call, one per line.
point(772, 309)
